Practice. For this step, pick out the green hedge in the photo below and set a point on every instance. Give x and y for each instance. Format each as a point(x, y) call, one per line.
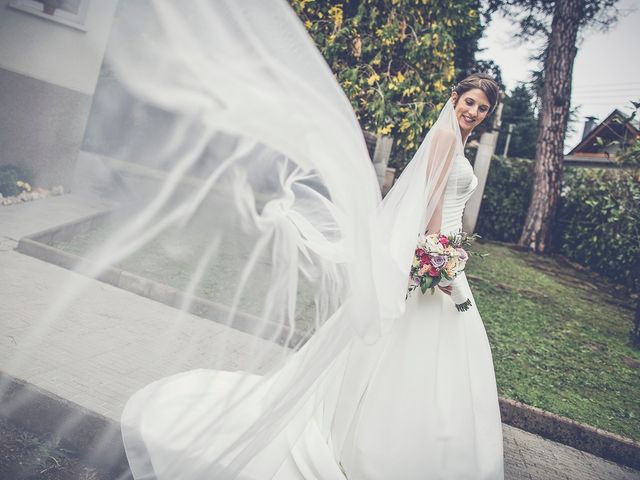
point(598, 220)
point(505, 200)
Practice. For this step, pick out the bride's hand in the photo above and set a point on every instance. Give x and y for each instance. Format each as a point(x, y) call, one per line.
point(448, 289)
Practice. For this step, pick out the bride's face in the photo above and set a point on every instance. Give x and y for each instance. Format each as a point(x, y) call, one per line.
point(471, 108)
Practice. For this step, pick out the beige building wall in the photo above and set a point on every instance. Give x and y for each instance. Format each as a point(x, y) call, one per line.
point(48, 74)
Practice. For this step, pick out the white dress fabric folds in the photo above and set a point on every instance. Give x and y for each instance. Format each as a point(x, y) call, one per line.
point(230, 148)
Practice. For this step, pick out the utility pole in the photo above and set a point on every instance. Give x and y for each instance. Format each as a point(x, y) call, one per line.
point(481, 166)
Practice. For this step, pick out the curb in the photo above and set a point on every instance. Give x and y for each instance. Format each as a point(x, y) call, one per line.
point(589, 439)
point(94, 438)
point(38, 246)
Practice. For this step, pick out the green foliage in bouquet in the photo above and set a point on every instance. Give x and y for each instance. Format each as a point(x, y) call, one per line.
point(393, 58)
point(506, 198)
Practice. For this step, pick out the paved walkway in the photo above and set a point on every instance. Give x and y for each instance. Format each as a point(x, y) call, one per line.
point(92, 355)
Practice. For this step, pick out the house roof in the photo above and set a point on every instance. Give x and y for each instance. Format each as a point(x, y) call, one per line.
point(615, 127)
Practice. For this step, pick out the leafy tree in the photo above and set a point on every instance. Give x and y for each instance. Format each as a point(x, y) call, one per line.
point(559, 22)
point(395, 59)
point(519, 110)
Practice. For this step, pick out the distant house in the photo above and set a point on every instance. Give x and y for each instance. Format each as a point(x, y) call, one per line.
point(595, 149)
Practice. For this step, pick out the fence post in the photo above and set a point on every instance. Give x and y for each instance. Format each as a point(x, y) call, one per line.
point(379, 148)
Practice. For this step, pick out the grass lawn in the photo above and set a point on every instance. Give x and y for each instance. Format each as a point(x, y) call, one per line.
point(560, 337)
point(173, 257)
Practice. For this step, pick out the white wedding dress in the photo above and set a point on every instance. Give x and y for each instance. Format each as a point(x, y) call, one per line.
point(426, 409)
point(431, 410)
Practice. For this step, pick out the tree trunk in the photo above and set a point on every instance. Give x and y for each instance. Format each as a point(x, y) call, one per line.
point(556, 96)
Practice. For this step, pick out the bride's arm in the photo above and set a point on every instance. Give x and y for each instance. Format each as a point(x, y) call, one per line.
point(443, 150)
point(436, 219)
point(441, 153)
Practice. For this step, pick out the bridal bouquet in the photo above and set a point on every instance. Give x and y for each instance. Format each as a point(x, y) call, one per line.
point(437, 261)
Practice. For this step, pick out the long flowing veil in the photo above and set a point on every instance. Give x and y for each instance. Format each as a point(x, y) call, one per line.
point(241, 186)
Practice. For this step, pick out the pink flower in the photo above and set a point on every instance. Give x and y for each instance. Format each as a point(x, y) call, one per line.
point(443, 240)
point(433, 272)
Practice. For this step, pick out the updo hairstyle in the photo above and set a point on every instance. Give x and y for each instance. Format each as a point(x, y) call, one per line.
point(484, 82)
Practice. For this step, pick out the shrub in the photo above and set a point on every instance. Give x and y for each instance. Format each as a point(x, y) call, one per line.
point(598, 222)
point(9, 176)
point(598, 219)
point(506, 198)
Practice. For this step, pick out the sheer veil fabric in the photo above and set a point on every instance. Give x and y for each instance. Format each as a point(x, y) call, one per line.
point(229, 143)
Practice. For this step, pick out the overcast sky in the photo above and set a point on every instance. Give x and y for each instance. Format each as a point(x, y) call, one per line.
point(606, 73)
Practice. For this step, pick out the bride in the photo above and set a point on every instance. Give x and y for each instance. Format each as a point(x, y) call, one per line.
point(384, 387)
point(430, 408)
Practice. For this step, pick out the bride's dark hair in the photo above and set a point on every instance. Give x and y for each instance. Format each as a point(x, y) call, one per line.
point(484, 82)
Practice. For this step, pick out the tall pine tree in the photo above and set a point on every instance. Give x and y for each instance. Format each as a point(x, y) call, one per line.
point(560, 22)
point(519, 110)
